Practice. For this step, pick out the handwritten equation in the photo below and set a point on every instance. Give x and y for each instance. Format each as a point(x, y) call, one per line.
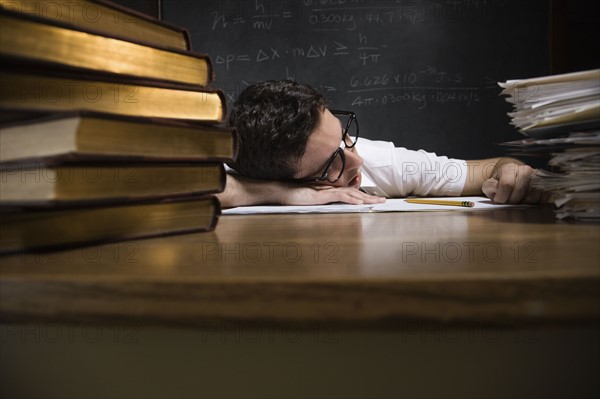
point(348, 15)
point(371, 53)
point(359, 50)
point(425, 86)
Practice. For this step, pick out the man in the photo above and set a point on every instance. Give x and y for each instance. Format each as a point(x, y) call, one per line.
point(293, 150)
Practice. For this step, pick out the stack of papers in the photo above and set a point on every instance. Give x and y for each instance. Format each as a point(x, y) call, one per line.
point(551, 105)
point(390, 205)
point(561, 114)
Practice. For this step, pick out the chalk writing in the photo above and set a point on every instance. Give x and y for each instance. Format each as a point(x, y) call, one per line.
point(257, 15)
point(427, 85)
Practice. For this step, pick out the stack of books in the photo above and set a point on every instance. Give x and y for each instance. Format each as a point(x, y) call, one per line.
point(108, 129)
point(560, 114)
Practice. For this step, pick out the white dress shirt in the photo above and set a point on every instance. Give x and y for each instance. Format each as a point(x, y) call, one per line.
point(391, 171)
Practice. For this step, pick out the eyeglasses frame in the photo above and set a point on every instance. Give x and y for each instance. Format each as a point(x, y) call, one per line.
point(339, 151)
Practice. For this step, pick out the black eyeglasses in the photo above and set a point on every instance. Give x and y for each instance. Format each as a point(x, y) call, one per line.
point(349, 139)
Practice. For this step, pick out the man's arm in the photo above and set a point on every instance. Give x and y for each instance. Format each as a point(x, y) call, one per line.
point(243, 191)
point(503, 180)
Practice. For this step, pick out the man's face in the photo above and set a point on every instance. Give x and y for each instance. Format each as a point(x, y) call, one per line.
point(321, 144)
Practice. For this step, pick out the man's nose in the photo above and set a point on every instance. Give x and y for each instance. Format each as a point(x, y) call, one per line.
point(353, 160)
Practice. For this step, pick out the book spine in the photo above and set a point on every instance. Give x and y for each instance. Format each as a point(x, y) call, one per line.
point(22, 67)
point(8, 247)
point(65, 25)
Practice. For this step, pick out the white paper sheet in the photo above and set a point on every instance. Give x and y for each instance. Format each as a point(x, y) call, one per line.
point(390, 205)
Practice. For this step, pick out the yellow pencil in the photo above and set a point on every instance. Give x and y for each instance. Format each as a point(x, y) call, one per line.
point(467, 204)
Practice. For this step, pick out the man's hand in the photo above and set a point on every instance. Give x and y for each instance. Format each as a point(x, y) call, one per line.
point(510, 184)
point(503, 180)
point(243, 191)
point(317, 195)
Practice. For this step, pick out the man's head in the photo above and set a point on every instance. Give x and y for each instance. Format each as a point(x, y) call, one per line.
point(273, 121)
point(285, 132)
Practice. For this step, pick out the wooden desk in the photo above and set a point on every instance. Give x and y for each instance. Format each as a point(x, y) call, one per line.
point(406, 305)
point(498, 266)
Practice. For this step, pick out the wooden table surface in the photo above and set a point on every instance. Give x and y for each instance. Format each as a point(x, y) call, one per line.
point(503, 266)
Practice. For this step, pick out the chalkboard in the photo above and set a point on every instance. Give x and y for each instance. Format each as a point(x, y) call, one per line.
point(419, 73)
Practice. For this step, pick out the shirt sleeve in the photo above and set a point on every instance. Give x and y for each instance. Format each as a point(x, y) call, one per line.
point(399, 172)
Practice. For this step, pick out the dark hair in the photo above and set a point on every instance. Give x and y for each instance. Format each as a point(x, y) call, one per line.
point(272, 121)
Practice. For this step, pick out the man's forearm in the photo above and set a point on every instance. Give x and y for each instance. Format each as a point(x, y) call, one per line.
point(243, 191)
